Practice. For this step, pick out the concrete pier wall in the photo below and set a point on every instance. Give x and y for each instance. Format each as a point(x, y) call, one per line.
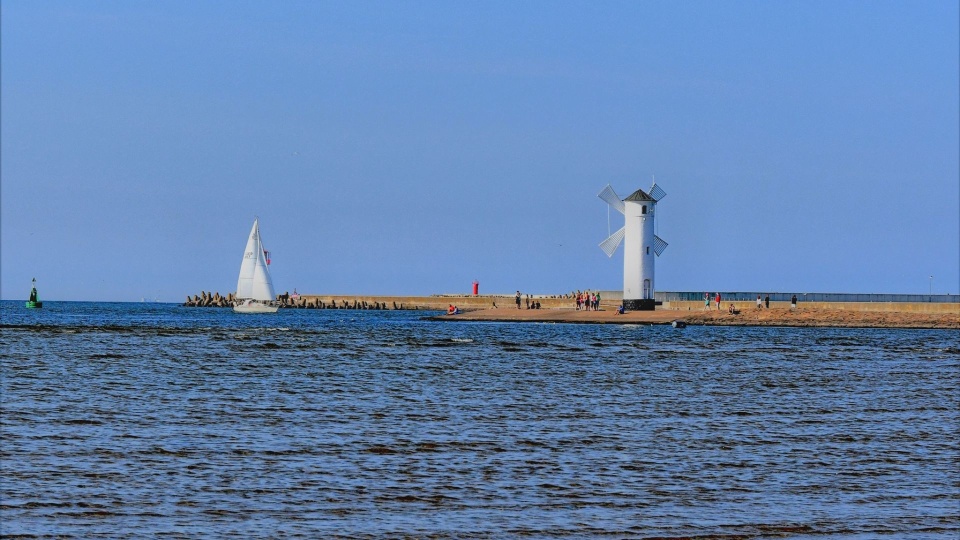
point(908, 307)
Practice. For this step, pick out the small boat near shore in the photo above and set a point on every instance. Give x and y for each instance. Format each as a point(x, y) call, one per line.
point(254, 287)
point(34, 301)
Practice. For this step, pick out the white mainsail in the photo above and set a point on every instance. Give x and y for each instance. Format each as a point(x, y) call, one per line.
point(254, 282)
point(249, 263)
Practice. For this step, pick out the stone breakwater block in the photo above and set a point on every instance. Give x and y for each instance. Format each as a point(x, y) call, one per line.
point(211, 299)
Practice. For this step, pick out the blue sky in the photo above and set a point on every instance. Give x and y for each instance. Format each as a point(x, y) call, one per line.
point(412, 147)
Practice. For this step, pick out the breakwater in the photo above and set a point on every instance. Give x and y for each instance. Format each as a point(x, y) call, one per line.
point(205, 299)
point(390, 302)
point(779, 316)
point(363, 302)
point(440, 302)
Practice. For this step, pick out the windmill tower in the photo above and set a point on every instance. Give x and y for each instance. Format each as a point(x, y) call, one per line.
point(641, 244)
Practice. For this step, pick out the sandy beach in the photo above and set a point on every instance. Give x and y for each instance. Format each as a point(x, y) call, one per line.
point(799, 317)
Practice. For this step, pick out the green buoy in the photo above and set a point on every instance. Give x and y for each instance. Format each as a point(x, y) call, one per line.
point(34, 302)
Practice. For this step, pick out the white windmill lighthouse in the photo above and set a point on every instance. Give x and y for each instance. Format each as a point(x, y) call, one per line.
point(641, 244)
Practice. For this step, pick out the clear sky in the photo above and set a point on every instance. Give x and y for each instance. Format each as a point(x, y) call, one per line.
point(411, 147)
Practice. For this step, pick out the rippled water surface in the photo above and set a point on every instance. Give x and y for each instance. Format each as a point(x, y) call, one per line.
point(125, 420)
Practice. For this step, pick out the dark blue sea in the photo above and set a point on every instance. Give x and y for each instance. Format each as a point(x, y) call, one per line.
point(154, 420)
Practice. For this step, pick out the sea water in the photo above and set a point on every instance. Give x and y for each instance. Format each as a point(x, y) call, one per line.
point(130, 420)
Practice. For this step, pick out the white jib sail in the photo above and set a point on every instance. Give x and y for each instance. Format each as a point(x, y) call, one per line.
point(254, 281)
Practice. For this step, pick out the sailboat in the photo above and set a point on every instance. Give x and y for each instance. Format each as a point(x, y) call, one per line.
point(254, 287)
point(34, 301)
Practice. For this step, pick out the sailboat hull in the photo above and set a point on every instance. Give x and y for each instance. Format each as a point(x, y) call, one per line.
point(253, 306)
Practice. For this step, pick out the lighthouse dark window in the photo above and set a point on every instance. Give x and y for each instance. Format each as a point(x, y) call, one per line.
point(643, 209)
point(648, 250)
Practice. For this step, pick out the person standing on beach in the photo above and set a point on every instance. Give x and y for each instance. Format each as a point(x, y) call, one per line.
point(596, 303)
point(766, 300)
point(793, 302)
point(718, 301)
point(518, 299)
point(759, 302)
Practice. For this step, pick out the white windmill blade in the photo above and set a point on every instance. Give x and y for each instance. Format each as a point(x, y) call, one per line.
point(659, 245)
point(656, 193)
point(612, 242)
point(610, 197)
